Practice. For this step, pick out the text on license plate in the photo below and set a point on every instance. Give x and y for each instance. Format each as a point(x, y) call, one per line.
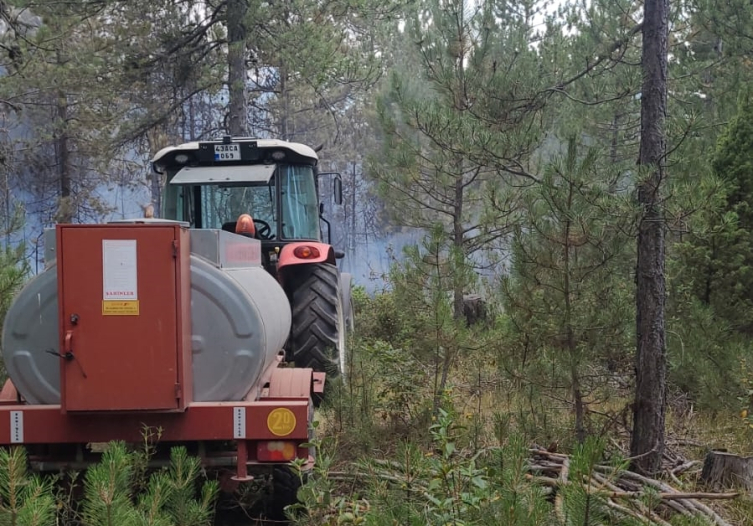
point(227, 152)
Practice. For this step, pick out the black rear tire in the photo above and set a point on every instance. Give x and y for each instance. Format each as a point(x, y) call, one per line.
point(285, 485)
point(317, 333)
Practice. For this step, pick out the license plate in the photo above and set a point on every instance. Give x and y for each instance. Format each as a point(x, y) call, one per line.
point(227, 152)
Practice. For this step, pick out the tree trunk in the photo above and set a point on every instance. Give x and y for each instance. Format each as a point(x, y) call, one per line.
point(236, 29)
point(155, 185)
point(352, 235)
point(706, 299)
point(647, 443)
point(157, 138)
point(285, 134)
point(458, 238)
point(572, 347)
point(615, 129)
point(724, 471)
point(65, 209)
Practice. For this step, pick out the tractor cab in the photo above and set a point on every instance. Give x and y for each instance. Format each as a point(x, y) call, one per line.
point(212, 184)
point(268, 189)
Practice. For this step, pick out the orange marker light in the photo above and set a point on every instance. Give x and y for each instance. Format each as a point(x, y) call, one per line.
point(306, 252)
point(245, 225)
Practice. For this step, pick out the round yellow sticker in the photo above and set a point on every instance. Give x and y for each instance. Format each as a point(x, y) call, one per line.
point(281, 421)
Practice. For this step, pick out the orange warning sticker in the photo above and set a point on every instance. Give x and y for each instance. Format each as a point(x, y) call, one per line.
point(120, 308)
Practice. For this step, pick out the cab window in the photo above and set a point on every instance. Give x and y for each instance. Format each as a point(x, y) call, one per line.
point(300, 209)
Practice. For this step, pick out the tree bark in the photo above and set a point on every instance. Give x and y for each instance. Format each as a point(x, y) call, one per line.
point(647, 443)
point(724, 470)
point(474, 309)
point(352, 235)
point(236, 29)
point(65, 209)
point(157, 138)
point(572, 347)
point(155, 187)
point(285, 95)
point(458, 240)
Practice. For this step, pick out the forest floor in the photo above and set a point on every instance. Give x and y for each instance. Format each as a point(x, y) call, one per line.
point(370, 421)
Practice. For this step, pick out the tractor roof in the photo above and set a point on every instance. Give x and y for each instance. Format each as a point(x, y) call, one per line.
point(252, 150)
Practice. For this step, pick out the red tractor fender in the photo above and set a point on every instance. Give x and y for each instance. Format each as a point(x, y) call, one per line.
point(295, 254)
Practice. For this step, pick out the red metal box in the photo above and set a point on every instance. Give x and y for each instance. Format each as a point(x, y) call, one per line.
point(124, 303)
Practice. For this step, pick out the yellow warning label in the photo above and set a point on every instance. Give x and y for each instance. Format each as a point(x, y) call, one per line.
point(120, 308)
point(281, 421)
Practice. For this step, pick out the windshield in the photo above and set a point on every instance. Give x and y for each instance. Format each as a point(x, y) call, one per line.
point(212, 206)
point(223, 204)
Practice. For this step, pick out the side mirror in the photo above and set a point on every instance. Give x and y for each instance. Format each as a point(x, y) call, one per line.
point(337, 186)
point(338, 189)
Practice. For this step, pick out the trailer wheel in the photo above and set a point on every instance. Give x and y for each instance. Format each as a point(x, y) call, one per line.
point(285, 485)
point(318, 328)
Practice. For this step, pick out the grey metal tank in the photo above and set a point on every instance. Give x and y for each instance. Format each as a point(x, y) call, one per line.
point(240, 320)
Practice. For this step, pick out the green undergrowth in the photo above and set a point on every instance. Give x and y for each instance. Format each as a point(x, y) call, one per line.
point(448, 481)
point(399, 446)
point(117, 491)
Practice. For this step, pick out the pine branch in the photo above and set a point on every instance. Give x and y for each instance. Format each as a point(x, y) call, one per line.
point(617, 44)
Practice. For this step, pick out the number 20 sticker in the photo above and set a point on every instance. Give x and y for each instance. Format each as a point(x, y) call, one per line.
point(281, 422)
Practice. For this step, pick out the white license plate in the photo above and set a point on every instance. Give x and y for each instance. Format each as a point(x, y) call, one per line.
point(227, 152)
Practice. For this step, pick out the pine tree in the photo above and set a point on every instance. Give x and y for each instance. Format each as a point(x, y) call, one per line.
point(450, 142)
point(25, 499)
point(566, 295)
point(719, 259)
point(169, 497)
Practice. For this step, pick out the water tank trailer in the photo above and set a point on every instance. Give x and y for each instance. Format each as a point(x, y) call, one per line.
point(187, 323)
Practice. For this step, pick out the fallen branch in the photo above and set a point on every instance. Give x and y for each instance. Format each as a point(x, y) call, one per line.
point(673, 495)
point(623, 491)
point(617, 494)
point(682, 468)
point(639, 517)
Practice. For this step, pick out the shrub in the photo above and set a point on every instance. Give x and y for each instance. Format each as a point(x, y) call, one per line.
point(168, 497)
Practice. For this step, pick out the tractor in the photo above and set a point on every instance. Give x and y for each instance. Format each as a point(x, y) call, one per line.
point(269, 190)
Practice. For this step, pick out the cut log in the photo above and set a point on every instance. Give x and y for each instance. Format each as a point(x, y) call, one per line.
point(723, 470)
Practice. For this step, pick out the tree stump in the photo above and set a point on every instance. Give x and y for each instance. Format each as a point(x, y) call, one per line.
point(474, 309)
point(722, 470)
